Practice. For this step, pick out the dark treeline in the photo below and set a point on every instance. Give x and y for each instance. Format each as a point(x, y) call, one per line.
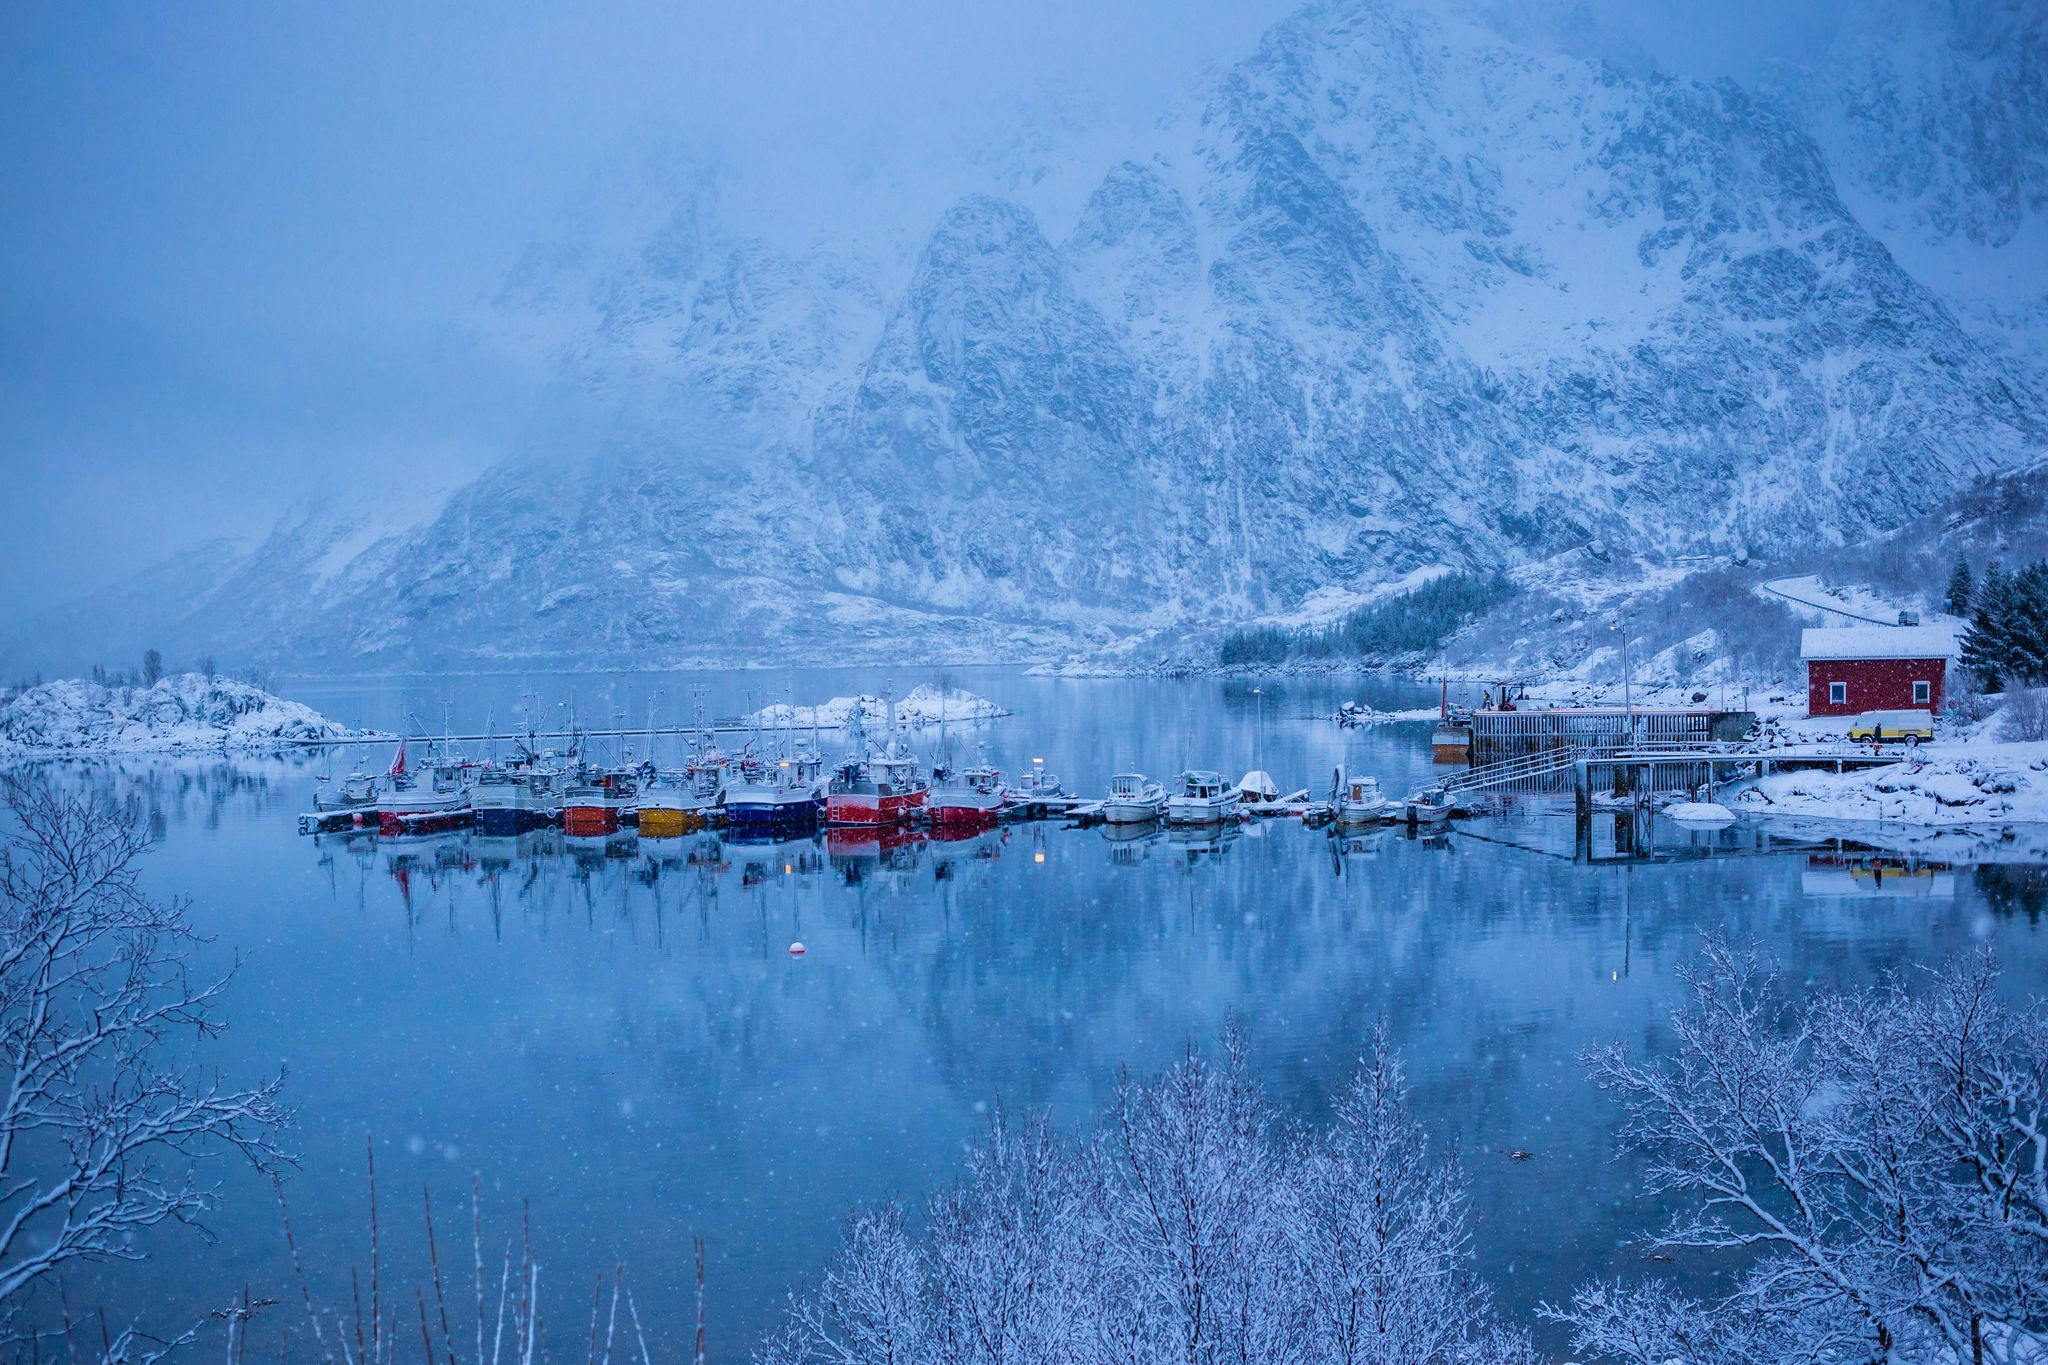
point(2007, 640)
point(1415, 622)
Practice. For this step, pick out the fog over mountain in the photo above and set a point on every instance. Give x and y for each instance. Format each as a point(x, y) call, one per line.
point(1396, 286)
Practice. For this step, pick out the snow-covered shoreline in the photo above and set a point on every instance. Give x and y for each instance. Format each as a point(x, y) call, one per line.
point(185, 713)
point(924, 705)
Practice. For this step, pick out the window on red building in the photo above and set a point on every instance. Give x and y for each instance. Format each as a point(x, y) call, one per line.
point(1838, 694)
point(1923, 692)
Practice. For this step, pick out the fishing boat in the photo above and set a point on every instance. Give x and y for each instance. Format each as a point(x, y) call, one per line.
point(875, 791)
point(777, 796)
point(1200, 797)
point(357, 796)
point(435, 798)
point(1359, 800)
point(1133, 800)
point(598, 805)
point(867, 790)
point(671, 803)
point(972, 796)
point(514, 799)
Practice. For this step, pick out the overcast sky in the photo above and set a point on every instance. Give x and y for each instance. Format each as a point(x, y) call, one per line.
point(239, 242)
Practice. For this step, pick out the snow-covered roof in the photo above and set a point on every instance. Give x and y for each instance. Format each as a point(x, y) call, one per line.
point(1877, 642)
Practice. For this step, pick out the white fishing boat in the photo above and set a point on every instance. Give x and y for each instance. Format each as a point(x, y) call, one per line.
point(1359, 800)
point(1133, 800)
point(1201, 797)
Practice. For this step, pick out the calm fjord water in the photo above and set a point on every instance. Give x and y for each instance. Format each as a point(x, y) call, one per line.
point(626, 1042)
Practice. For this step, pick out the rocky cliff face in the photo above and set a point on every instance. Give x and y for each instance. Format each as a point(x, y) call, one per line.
point(1933, 115)
point(1398, 292)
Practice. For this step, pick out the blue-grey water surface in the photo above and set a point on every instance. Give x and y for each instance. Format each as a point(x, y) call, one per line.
point(622, 1038)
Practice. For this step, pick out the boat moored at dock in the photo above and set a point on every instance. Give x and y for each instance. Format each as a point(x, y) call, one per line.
point(599, 806)
point(1201, 797)
point(972, 796)
point(1133, 800)
point(778, 796)
point(1359, 800)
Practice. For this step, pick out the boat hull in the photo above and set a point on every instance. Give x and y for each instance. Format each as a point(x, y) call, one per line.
point(581, 821)
point(866, 808)
point(395, 823)
point(964, 808)
point(508, 821)
point(665, 822)
point(1180, 811)
point(1132, 812)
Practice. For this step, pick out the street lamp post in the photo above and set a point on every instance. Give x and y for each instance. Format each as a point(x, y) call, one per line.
point(1628, 710)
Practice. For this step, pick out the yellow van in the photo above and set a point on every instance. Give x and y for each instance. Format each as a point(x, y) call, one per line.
point(1892, 727)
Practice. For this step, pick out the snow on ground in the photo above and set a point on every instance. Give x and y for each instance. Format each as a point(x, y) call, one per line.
point(183, 713)
point(926, 705)
point(1943, 784)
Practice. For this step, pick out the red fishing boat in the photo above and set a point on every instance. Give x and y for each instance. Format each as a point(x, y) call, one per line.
point(972, 797)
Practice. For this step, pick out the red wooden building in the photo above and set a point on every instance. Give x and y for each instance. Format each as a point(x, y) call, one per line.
point(1855, 669)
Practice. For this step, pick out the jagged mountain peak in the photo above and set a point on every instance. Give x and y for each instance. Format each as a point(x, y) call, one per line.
point(1400, 291)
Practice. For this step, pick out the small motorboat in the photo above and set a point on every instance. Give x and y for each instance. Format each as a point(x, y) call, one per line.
point(1036, 784)
point(1201, 797)
point(1133, 800)
point(1431, 806)
point(1257, 787)
point(1359, 800)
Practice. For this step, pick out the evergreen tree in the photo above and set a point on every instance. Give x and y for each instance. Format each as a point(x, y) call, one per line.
point(2026, 625)
point(1984, 642)
point(1961, 584)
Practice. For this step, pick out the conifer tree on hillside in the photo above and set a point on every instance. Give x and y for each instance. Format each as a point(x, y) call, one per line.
point(2007, 641)
point(2026, 625)
point(1961, 585)
point(1981, 647)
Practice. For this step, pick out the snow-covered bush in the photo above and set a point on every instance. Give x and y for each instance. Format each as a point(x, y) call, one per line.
point(1880, 1158)
point(2024, 717)
point(1185, 1227)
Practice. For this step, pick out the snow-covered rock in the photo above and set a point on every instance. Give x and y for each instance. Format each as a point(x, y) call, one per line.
point(182, 713)
point(924, 706)
point(1966, 783)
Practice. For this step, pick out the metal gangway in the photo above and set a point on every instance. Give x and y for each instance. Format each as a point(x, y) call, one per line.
point(1532, 771)
point(1525, 770)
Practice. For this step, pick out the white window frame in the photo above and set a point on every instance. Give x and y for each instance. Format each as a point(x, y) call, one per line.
point(1838, 694)
point(1923, 692)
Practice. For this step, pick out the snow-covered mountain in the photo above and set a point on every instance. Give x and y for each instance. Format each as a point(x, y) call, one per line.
point(1395, 291)
point(1934, 117)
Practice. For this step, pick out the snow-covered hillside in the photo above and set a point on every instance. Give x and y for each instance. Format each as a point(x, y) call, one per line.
point(183, 713)
point(1396, 293)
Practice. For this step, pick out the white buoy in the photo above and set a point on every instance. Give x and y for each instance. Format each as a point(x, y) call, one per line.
point(796, 950)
